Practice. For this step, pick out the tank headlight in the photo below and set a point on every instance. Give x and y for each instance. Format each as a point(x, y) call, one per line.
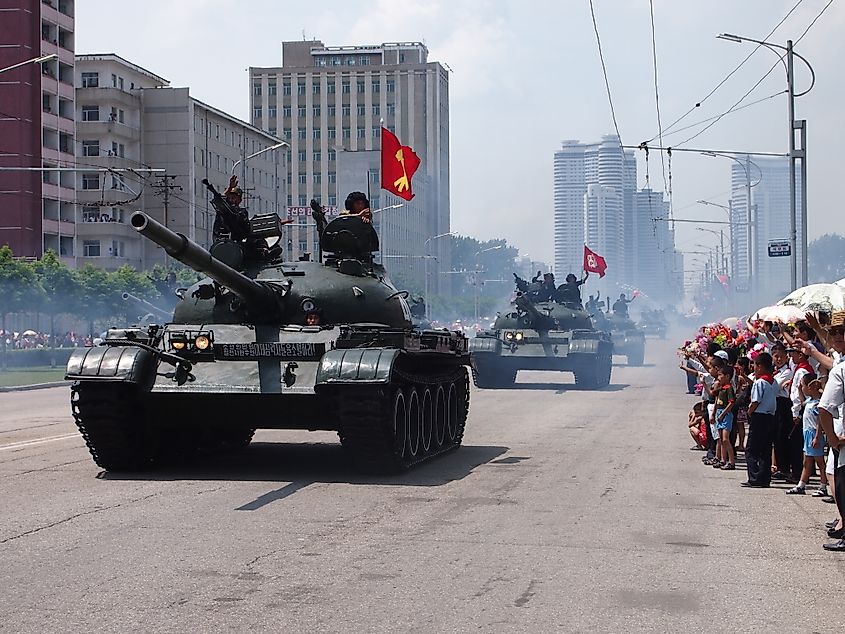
point(202, 342)
point(509, 336)
point(518, 336)
point(178, 345)
point(308, 306)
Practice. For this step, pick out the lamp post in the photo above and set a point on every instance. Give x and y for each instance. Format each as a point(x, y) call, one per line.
point(730, 270)
point(427, 258)
point(722, 260)
point(750, 213)
point(34, 60)
point(477, 271)
point(794, 153)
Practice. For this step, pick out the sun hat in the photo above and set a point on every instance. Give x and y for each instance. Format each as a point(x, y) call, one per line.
point(721, 354)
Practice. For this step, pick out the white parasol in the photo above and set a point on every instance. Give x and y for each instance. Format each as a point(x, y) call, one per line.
point(783, 314)
point(29, 333)
point(826, 297)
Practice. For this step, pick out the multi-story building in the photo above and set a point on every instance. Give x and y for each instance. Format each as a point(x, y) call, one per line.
point(37, 127)
point(594, 205)
point(651, 243)
point(330, 104)
point(129, 117)
point(770, 213)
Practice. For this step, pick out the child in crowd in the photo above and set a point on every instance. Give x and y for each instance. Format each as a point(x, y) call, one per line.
point(814, 441)
point(761, 428)
point(725, 400)
point(743, 380)
point(697, 427)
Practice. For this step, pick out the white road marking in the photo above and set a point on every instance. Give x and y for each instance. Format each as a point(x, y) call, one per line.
point(39, 441)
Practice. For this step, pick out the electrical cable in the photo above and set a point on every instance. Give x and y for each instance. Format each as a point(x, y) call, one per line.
point(656, 92)
point(604, 71)
point(703, 121)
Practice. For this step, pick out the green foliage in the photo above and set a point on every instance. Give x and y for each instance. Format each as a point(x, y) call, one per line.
point(826, 259)
point(60, 286)
point(489, 264)
point(19, 287)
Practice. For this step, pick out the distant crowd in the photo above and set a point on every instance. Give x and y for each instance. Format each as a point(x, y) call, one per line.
point(29, 339)
point(775, 394)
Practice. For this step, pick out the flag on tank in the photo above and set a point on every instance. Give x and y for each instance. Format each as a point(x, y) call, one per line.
point(593, 262)
point(398, 165)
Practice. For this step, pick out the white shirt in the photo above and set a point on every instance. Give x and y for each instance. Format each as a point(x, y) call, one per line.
point(793, 391)
point(833, 400)
point(782, 376)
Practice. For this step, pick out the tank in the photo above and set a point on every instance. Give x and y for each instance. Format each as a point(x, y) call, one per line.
point(653, 323)
point(628, 339)
point(308, 345)
point(541, 334)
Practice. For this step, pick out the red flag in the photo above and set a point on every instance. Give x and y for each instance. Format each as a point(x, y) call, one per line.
point(398, 164)
point(593, 262)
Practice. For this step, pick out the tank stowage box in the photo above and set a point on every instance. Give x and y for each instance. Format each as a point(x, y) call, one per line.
point(541, 334)
point(271, 344)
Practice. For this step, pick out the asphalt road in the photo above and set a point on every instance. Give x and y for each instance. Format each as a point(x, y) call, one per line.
point(564, 511)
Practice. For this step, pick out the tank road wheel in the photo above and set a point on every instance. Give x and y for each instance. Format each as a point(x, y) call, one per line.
point(400, 423)
point(451, 413)
point(111, 419)
point(462, 391)
point(441, 417)
point(637, 356)
point(588, 373)
point(605, 369)
point(414, 423)
point(492, 378)
point(427, 420)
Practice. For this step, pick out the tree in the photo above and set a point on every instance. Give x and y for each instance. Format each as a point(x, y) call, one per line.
point(826, 259)
point(60, 289)
point(18, 288)
point(98, 295)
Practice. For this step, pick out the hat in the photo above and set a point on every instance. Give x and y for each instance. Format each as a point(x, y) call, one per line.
point(721, 354)
point(837, 318)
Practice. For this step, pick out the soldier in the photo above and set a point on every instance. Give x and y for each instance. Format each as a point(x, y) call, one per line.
point(620, 306)
point(231, 221)
point(548, 290)
point(570, 292)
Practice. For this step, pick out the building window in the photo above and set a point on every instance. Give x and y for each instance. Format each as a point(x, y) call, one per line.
point(361, 87)
point(91, 248)
point(364, 61)
point(332, 156)
point(90, 113)
point(362, 110)
point(303, 246)
point(286, 133)
point(256, 113)
point(303, 179)
point(272, 131)
point(120, 83)
point(317, 178)
point(316, 133)
point(271, 88)
point(391, 85)
point(332, 133)
point(117, 248)
point(45, 103)
point(374, 176)
point(271, 112)
point(331, 111)
point(286, 111)
point(301, 111)
point(376, 131)
point(345, 110)
point(375, 202)
point(345, 87)
point(332, 200)
point(302, 133)
point(286, 88)
point(316, 111)
point(376, 110)
point(330, 88)
point(301, 155)
point(114, 80)
point(256, 89)
point(300, 88)
point(346, 132)
point(332, 177)
point(376, 85)
point(317, 157)
point(90, 80)
point(303, 200)
point(90, 148)
point(361, 132)
point(391, 108)
point(315, 89)
point(90, 181)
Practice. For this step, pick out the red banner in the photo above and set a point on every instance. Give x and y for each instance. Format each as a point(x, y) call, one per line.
point(398, 165)
point(593, 262)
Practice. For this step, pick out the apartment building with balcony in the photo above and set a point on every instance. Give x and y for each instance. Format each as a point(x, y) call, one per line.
point(37, 127)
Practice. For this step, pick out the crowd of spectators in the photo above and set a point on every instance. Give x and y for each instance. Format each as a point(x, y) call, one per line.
point(30, 340)
point(773, 393)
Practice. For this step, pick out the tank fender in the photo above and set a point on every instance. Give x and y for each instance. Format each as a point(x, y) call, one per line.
point(367, 365)
point(484, 344)
point(126, 364)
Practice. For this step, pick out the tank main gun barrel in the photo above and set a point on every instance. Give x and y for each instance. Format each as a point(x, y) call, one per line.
point(193, 255)
point(541, 321)
point(155, 310)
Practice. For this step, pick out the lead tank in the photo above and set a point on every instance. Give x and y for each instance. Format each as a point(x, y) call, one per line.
point(271, 344)
point(541, 333)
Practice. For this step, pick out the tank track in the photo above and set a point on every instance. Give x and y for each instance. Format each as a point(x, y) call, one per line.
point(596, 374)
point(430, 411)
point(498, 379)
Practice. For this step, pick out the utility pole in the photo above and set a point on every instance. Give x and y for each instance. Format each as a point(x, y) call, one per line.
point(792, 206)
point(164, 188)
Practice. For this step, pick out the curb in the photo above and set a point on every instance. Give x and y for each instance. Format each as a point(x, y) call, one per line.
point(36, 386)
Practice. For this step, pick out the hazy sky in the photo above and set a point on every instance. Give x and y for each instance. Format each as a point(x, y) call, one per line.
point(526, 75)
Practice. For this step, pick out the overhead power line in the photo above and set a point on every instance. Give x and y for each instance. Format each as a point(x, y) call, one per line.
point(604, 71)
point(657, 97)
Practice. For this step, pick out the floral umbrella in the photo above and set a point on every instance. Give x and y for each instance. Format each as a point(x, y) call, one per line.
point(783, 314)
point(826, 297)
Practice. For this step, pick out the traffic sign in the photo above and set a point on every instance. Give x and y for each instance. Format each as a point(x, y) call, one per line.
point(779, 249)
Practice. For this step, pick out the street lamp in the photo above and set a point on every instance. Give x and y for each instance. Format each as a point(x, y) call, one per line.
point(475, 279)
point(750, 212)
point(34, 60)
point(427, 258)
point(721, 259)
point(731, 237)
point(793, 153)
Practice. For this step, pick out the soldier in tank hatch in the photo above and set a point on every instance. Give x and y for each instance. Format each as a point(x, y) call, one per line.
point(620, 306)
point(570, 292)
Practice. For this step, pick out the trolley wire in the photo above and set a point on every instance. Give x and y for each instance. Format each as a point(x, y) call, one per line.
point(604, 71)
